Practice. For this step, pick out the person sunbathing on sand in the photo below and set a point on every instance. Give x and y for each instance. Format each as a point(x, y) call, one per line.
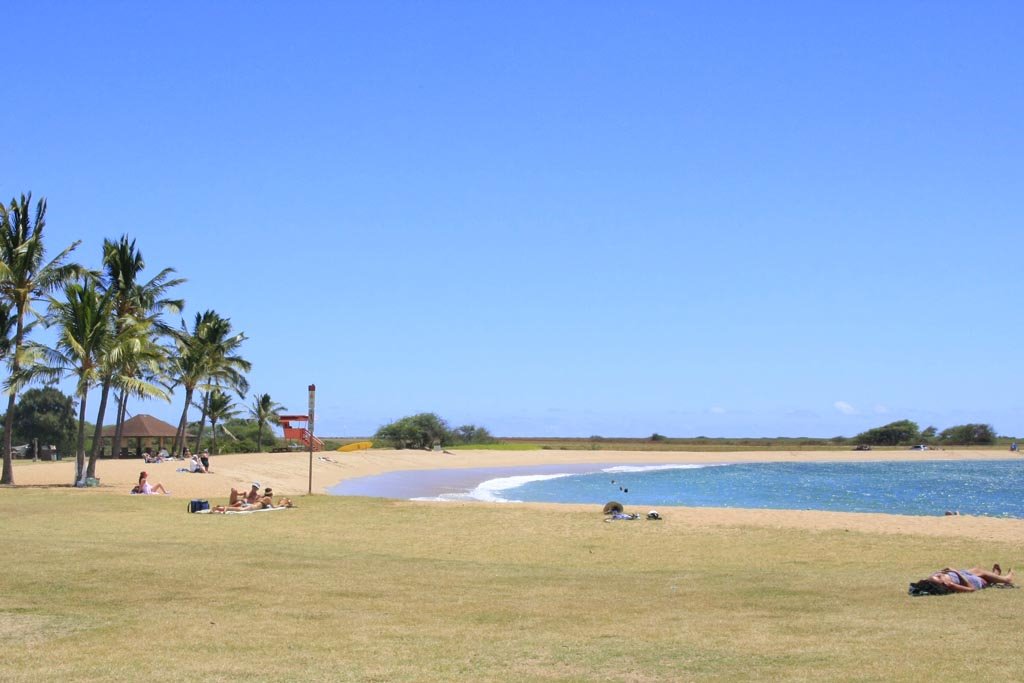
point(964, 580)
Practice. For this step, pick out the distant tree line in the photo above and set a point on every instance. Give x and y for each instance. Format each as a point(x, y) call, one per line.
point(48, 415)
point(426, 430)
point(907, 433)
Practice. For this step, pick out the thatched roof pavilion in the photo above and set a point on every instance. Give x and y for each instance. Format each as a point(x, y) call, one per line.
point(142, 427)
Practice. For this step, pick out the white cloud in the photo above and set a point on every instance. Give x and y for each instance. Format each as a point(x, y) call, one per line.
point(845, 408)
point(880, 409)
point(717, 410)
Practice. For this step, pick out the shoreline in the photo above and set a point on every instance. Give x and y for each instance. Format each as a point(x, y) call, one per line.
point(288, 475)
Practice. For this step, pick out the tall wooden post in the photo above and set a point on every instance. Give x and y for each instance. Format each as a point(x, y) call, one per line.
point(312, 410)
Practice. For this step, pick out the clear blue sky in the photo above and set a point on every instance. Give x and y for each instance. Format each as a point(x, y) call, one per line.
point(728, 219)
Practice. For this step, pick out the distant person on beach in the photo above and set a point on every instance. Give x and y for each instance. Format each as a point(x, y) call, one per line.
point(196, 465)
point(205, 460)
point(146, 489)
point(962, 580)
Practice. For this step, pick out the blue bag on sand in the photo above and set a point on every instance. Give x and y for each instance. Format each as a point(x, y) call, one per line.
point(197, 505)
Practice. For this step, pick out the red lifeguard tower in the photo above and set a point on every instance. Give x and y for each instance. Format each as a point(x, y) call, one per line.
point(299, 433)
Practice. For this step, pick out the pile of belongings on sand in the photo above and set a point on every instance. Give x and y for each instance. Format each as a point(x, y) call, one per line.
point(614, 511)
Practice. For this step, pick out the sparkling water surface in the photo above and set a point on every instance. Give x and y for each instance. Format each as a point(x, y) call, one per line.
point(972, 487)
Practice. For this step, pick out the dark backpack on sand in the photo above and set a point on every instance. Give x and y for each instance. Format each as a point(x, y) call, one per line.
point(198, 505)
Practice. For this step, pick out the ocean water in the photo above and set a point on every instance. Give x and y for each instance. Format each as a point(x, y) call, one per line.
point(991, 488)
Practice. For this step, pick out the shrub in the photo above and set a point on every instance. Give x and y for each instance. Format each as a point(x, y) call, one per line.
point(968, 435)
point(901, 433)
point(423, 430)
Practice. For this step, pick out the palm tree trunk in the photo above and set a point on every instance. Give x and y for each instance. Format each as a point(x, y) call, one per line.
point(8, 474)
point(259, 438)
point(179, 436)
point(213, 429)
point(80, 450)
point(97, 438)
point(122, 408)
point(202, 421)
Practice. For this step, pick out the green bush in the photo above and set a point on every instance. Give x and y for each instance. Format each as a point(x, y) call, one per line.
point(901, 433)
point(427, 430)
point(424, 430)
point(968, 435)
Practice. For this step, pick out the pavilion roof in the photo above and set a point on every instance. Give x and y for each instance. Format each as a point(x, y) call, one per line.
point(143, 425)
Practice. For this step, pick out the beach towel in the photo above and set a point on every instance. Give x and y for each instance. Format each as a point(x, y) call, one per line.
point(249, 511)
point(621, 515)
point(922, 588)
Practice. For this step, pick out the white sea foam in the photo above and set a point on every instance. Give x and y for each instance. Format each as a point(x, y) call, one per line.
point(490, 491)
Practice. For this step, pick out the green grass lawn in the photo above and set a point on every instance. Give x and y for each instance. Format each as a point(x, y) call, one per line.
point(100, 587)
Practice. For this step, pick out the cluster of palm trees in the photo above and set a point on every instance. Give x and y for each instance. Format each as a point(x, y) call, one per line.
point(111, 335)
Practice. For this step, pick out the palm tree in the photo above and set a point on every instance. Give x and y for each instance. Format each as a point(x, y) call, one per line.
point(84, 336)
point(136, 311)
point(206, 357)
point(219, 407)
point(129, 362)
point(264, 410)
point(25, 278)
point(203, 407)
point(7, 325)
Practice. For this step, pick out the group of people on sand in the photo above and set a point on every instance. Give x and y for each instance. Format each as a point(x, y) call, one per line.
point(161, 456)
point(198, 463)
point(239, 501)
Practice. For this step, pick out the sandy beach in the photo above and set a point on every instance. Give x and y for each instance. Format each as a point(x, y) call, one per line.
point(288, 474)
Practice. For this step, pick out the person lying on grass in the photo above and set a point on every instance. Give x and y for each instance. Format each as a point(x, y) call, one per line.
point(963, 580)
point(253, 500)
point(268, 496)
point(263, 502)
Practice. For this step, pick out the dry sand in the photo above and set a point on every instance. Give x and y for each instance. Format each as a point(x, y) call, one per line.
point(288, 474)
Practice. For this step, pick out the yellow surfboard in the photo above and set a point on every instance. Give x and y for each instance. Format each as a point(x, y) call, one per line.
point(357, 446)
